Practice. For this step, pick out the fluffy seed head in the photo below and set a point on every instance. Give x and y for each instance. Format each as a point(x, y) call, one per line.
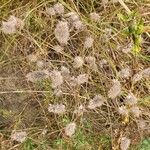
point(94, 16)
point(57, 108)
point(78, 62)
point(81, 79)
point(115, 90)
point(125, 73)
point(12, 25)
point(58, 92)
point(79, 110)
point(97, 101)
point(50, 11)
point(62, 32)
point(88, 42)
point(72, 17)
point(70, 129)
point(146, 73)
point(137, 77)
point(91, 61)
point(65, 71)
point(58, 48)
point(59, 8)
point(124, 143)
point(37, 75)
point(131, 99)
point(142, 124)
point(78, 25)
point(135, 111)
point(128, 48)
point(123, 110)
point(18, 136)
point(32, 58)
point(57, 79)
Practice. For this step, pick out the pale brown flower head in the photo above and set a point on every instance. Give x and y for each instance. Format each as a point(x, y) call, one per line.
point(57, 108)
point(97, 101)
point(91, 61)
point(125, 143)
point(128, 48)
point(19, 136)
point(81, 79)
point(32, 58)
point(59, 8)
point(115, 90)
point(50, 11)
point(57, 78)
point(70, 129)
point(12, 25)
point(94, 16)
point(72, 17)
point(125, 73)
point(88, 42)
point(37, 75)
point(78, 62)
point(131, 99)
point(123, 110)
point(58, 92)
point(135, 111)
point(65, 71)
point(146, 72)
point(80, 110)
point(102, 63)
point(78, 25)
point(58, 48)
point(137, 77)
point(62, 32)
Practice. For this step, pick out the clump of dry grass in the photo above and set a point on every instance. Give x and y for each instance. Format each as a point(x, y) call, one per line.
point(72, 75)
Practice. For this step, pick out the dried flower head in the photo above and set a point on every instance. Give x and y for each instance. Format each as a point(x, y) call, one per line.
point(57, 108)
point(79, 110)
point(123, 110)
point(72, 17)
point(19, 136)
point(78, 25)
point(78, 62)
point(135, 111)
point(65, 71)
point(81, 79)
point(58, 92)
point(142, 124)
point(146, 72)
point(125, 73)
point(128, 48)
point(102, 63)
point(59, 8)
point(124, 143)
point(62, 32)
point(131, 99)
point(50, 11)
point(57, 78)
point(94, 16)
point(91, 61)
point(58, 48)
point(32, 58)
point(88, 42)
point(12, 25)
point(70, 129)
point(137, 77)
point(115, 90)
point(97, 101)
point(37, 75)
